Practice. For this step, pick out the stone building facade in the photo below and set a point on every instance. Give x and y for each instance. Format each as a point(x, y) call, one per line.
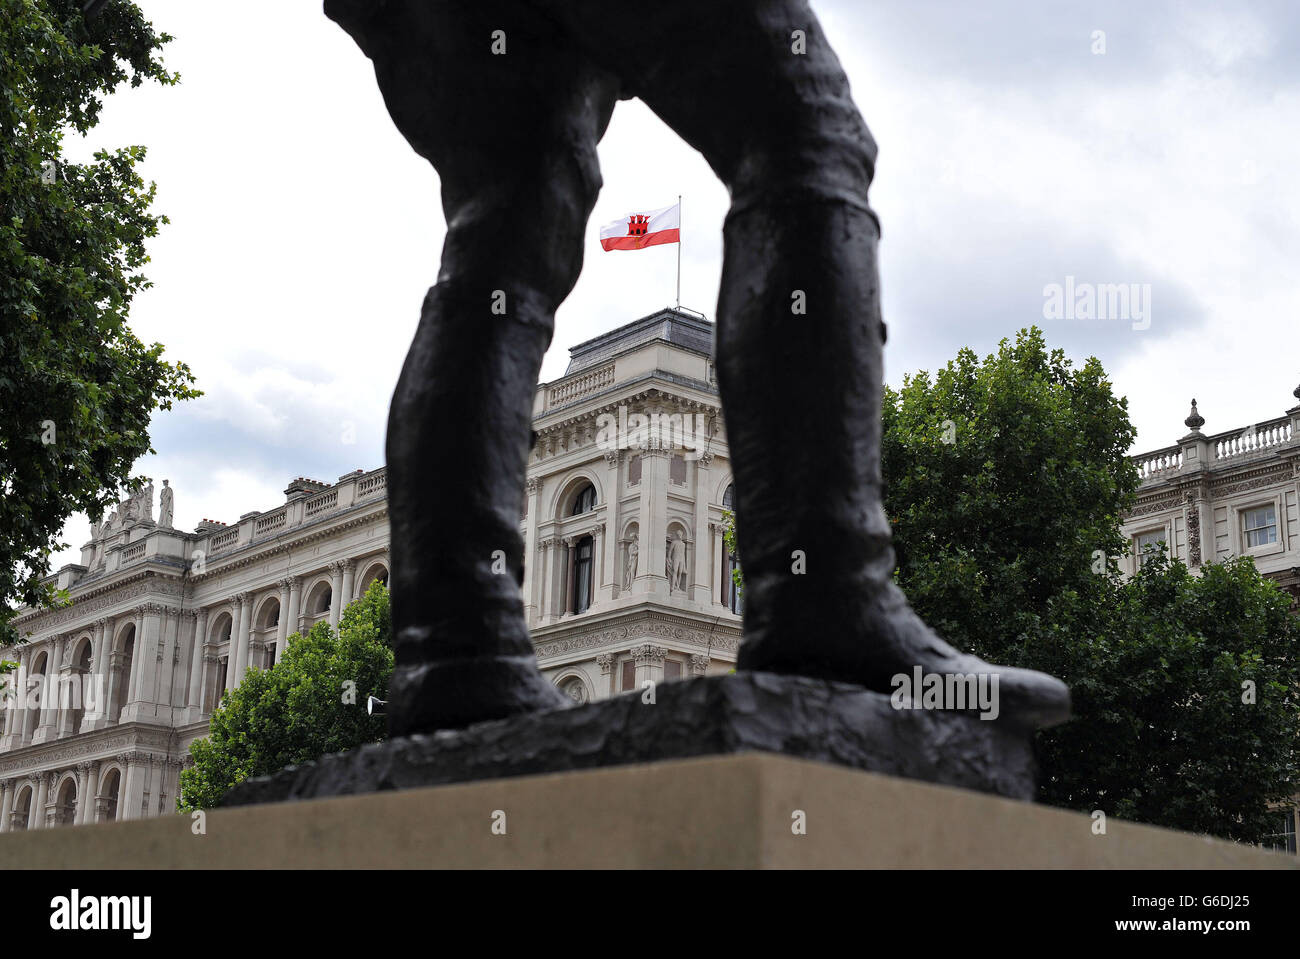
point(1234, 493)
point(627, 580)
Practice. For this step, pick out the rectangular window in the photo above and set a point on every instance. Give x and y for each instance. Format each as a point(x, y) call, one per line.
point(629, 675)
point(1259, 525)
point(672, 670)
point(634, 471)
point(677, 470)
point(1146, 543)
point(1283, 840)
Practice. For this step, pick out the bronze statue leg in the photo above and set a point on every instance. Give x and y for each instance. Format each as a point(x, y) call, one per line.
point(513, 138)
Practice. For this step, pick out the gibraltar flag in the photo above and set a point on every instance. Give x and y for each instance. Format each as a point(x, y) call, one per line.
point(639, 230)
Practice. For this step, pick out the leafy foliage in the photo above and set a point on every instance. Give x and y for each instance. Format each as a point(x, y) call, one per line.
point(77, 389)
point(1006, 482)
point(310, 703)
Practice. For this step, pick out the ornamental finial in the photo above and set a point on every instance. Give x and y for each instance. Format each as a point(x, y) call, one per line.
point(1194, 419)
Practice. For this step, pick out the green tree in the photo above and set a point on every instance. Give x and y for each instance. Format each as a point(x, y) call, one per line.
point(77, 389)
point(310, 703)
point(1185, 693)
point(1005, 483)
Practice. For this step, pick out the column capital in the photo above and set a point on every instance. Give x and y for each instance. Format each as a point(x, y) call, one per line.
point(605, 661)
point(239, 599)
point(613, 457)
point(295, 584)
point(648, 654)
point(533, 484)
point(285, 582)
point(699, 663)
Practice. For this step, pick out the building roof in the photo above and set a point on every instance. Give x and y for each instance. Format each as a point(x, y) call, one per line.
point(669, 325)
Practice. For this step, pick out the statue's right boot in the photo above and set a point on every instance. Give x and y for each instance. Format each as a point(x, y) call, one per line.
point(459, 434)
point(800, 367)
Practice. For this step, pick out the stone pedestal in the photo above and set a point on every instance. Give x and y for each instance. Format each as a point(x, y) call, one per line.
point(756, 811)
point(708, 715)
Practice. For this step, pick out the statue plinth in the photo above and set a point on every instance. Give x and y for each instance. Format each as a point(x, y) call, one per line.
point(794, 716)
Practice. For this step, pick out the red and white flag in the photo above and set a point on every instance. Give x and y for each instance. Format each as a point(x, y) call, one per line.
point(636, 231)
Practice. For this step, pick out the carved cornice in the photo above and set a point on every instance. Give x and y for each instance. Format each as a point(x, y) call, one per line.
point(1257, 482)
point(725, 637)
point(40, 622)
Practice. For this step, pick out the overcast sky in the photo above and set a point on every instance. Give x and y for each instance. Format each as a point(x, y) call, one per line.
point(304, 231)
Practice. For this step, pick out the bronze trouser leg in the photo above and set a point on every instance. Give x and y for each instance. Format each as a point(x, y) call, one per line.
point(514, 139)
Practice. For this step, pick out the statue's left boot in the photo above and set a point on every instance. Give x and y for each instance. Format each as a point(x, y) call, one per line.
point(802, 400)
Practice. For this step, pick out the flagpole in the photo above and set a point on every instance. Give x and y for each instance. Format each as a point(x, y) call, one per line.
point(679, 251)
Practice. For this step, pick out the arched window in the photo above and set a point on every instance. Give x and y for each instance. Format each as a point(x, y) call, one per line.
point(108, 791)
point(66, 804)
point(20, 818)
point(585, 501)
point(582, 570)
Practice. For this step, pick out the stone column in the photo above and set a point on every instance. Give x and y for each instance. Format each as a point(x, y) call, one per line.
point(137, 664)
point(37, 819)
point(700, 590)
point(649, 661)
point(295, 600)
point(31, 716)
point(612, 576)
point(282, 631)
point(49, 693)
point(133, 789)
point(570, 562)
point(87, 799)
point(542, 579)
point(606, 662)
point(238, 659)
point(63, 690)
point(117, 675)
point(6, 801)
point(349, 578)
point(98, 679)
point(531, 611)
point(719, 572)
point(336, 593)
point(598, 581)
point(653, 523)
point(193, 703)
point(172, 692)
point(149, 642)
point(52, 799)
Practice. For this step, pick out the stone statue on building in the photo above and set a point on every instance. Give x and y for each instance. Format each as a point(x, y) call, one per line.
point(629, 563)
point(165, 499)
point(146, 503)
point(757, 89)
point(676, 561)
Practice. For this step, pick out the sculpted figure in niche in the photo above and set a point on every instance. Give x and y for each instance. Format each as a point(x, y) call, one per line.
point(629, 564)
point(676, 562)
